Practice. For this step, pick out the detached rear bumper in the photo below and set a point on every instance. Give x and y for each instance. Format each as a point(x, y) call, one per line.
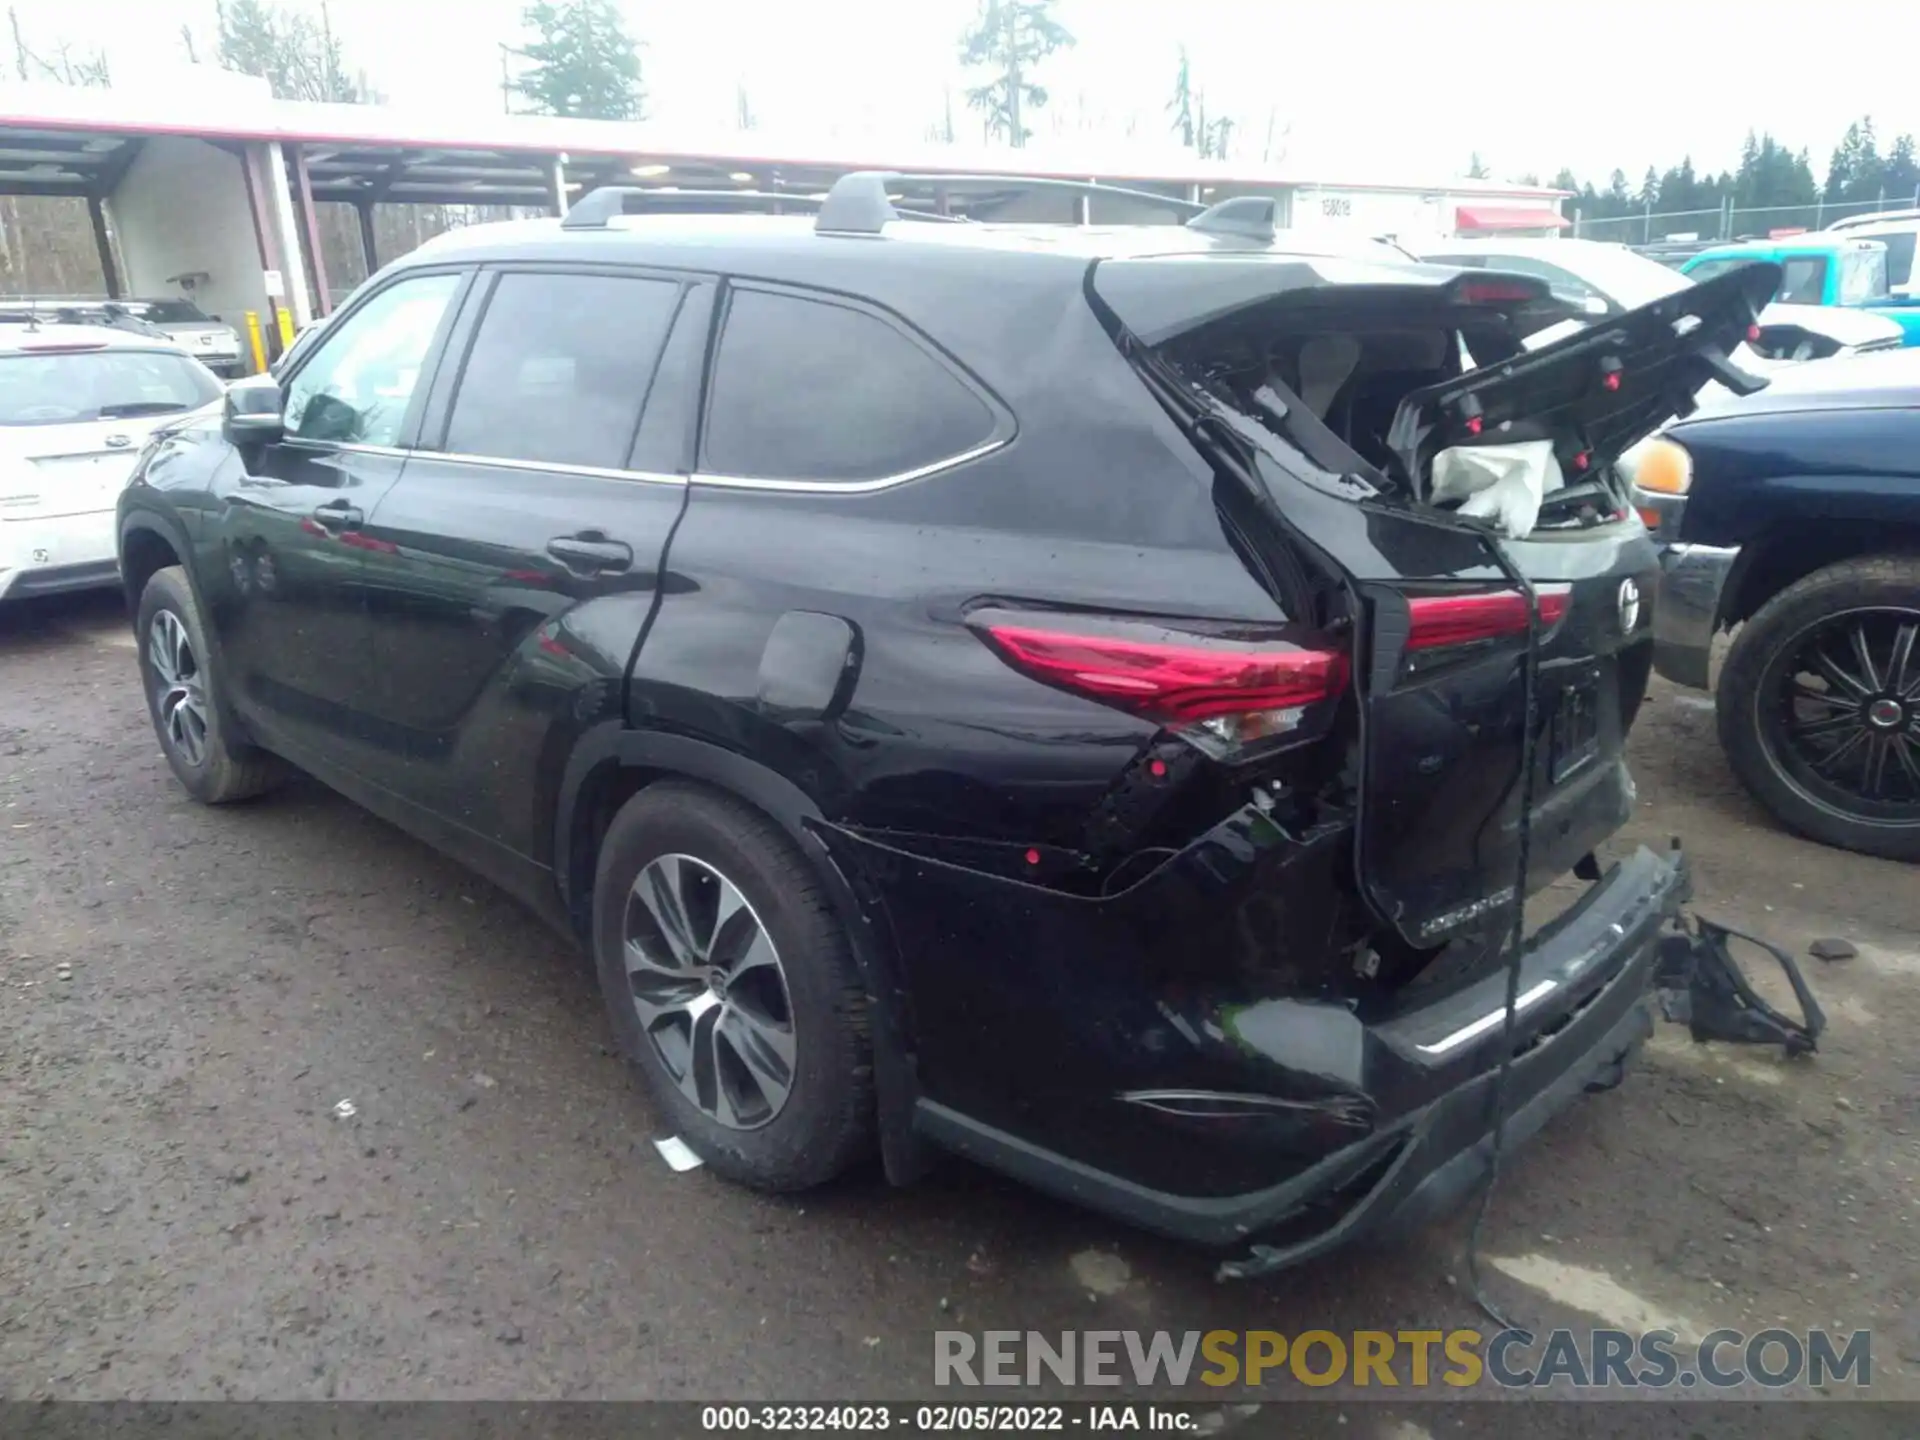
point(1686, 612)
point(1583, 1011)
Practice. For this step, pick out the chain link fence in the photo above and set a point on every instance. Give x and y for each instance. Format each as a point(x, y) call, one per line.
point(1728, 222)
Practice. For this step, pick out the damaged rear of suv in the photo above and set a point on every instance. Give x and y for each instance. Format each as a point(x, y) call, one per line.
point(1170, 742)
point(1239, 967)
point(1097, 701)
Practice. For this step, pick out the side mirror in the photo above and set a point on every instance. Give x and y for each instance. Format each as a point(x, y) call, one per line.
point(1596, 305)
point(254, 412)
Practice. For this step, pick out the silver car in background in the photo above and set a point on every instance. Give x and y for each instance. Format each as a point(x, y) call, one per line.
point(213, 343)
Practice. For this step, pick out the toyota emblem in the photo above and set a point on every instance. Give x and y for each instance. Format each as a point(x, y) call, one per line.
point(119, 442)
point(1629, 606)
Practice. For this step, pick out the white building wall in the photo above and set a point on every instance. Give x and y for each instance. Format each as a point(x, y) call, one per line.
point(1372, 212)
point(181, 208)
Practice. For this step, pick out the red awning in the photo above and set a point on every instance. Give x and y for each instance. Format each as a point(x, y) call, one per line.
point(1488, 218)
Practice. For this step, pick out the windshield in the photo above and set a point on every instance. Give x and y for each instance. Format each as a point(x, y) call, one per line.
point(1863, 276)
point(68, 389)
point(1628, 279)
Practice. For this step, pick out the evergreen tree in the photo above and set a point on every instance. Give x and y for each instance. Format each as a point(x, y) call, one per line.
point(1477, 168)
point(1011, 37)
point(1856, 172)
point(581, 61)
point(1902, 174)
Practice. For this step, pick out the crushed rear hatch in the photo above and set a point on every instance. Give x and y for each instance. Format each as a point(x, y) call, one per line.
point(1324, 390)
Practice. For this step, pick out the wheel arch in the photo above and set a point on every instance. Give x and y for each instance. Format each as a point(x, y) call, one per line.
point(149, 542)
point(611, 763)
point(1787, 553)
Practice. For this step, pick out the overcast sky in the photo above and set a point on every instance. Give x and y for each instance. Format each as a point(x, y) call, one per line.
point(1366, 88)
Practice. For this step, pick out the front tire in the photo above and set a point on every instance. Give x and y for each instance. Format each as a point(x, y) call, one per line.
point(732, 988)
point(184, 698)
point(1819, 706)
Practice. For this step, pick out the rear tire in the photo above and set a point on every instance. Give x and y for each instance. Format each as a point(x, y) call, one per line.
point(1776, 728)
point(185, 699)
point(732, 988)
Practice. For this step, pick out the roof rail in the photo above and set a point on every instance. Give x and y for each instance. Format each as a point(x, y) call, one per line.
point(596, 209)
point(858, 204)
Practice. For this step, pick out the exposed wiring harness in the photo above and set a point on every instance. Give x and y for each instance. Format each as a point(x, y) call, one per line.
point(1530, 718)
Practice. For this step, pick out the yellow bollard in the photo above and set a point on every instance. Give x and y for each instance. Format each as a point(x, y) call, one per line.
point(286, 328)
point(258, 344)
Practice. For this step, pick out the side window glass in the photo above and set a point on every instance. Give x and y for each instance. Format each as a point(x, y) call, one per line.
point(667, 423)
point(356, 388)
point(1803, 280)
point(560, 368)
point(810, 390)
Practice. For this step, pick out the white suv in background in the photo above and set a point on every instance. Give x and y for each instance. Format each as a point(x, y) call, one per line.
point(77, 403)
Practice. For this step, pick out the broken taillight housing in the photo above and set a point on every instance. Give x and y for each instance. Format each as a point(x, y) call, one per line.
point(1224, 693)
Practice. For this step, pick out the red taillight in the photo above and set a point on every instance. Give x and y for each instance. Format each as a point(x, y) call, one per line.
point(1175, 682)
point(1441, 620)
point(62, 347)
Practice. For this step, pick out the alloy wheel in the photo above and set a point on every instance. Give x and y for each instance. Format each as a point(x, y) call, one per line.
point(709, 990)
point(180, 696)
point(1843, 725)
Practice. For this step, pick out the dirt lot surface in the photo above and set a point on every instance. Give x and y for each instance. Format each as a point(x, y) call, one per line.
point(191, 1002)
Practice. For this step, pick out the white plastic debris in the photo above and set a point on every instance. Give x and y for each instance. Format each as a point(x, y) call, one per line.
point(1501, 483)
point(678, 1154)
point(345, 1110)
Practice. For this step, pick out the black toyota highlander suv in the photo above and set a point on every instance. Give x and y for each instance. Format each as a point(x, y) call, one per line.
point(1005, 690)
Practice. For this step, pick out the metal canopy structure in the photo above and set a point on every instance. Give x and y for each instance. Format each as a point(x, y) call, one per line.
point(288, 157)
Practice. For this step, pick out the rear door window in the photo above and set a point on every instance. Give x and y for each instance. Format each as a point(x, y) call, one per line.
point(808, 389)
point(560, 368)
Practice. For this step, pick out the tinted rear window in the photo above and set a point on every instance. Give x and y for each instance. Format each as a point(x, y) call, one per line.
point(169, 312)
point(69, 389)
point(810, 390)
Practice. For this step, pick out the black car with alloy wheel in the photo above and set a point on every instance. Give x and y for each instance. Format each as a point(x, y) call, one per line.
point(1792, 517)
point(988, 688)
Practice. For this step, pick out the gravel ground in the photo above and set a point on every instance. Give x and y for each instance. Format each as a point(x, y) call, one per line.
point(192, 1000)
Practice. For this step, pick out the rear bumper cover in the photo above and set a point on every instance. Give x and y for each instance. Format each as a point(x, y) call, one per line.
point(47, 555)
point(1686, 611)
point(1588, 976)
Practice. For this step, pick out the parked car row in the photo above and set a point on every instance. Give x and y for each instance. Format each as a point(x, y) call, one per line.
point(1834, 271)
point(210, 341)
